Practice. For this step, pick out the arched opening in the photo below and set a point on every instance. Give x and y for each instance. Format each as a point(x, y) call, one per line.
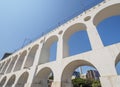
point(20, 61)
point(75, 40)
point(73, 72)
point(109, 30)
point(31, 56)
point(117, 64)
point(2, 66)
point(48, 46)
point(5, 66)
point(3, 81)
point(22, 80)
point(53, 51)
point(12, 64)
point(107, 22)
point(11, 81)
point(80, 41)
point(106, 12)
point(44, 78)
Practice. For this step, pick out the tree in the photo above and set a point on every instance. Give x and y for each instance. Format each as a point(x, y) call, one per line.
point(96, 83)
point(78, 82)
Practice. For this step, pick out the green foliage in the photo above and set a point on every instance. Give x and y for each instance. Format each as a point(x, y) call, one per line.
point(96, 84)
point(78, 82)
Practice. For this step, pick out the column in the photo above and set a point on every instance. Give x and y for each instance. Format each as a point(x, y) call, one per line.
point(22, 67)
point(33, 69)
point(56, 84)
point(110, 81)
point(8, 65)
point(3, 65)
point(62, 48)
point(15, 63)
point(94, 37)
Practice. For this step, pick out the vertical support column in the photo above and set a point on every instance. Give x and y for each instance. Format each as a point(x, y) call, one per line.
point(33, 69)
point(59, 55)
point(37, 55)
point(22, 67)
point(8, 65)
point(110, 81)
point(15, 63)
point(65, 48)
point(5, 83)
point(15, 82)
point(59, 83)
point(62, 48)
point(57, 74)
point(0, 64)
point(94, 37)
point(56, 84)
point(3, 64)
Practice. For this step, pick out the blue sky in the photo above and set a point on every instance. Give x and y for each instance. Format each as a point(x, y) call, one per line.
point(28, 19)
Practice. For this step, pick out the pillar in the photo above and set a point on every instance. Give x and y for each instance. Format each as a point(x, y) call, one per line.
point(15, 63)
point(22, 67)
point(110, 81)
point(8, 66)
point(94, 37)
point(62, 48)
point(33, 69)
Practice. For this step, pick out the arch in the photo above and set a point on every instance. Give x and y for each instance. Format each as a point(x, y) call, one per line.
point(12, 64)
point(69, 69)
point(22, 80)
point(111, 10)
point(45, 53)
point(117, 64)
point(31, 56)
point(2, 82)
point(41, 79)
point(72, 29)
point(109, 30)
point(11, 81)
point(20, 61)
point(6, 65)
point(117, 59)
point(2, 66)
point(76, 30)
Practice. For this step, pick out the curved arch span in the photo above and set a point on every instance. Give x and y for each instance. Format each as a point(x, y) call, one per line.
point(2, 82)
point(70, 68)
point(11, 81)
point(31, 56)
point(12, 64)
point(22, 80)
point(42, 77)
point(20, 61)
point(117, 64)
point(45, 53)
point(109, 11)
point(117, 59)
point(72, 29)
point(73, 38)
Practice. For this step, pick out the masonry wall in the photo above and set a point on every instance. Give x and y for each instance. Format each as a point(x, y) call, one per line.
point(30, 66)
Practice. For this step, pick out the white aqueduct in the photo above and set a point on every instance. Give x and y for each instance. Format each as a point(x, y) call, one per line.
point(30, 66)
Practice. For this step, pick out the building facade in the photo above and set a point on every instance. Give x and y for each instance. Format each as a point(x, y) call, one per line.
point(92, 74)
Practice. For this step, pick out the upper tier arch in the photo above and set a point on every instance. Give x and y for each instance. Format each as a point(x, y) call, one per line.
point(106, 12)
